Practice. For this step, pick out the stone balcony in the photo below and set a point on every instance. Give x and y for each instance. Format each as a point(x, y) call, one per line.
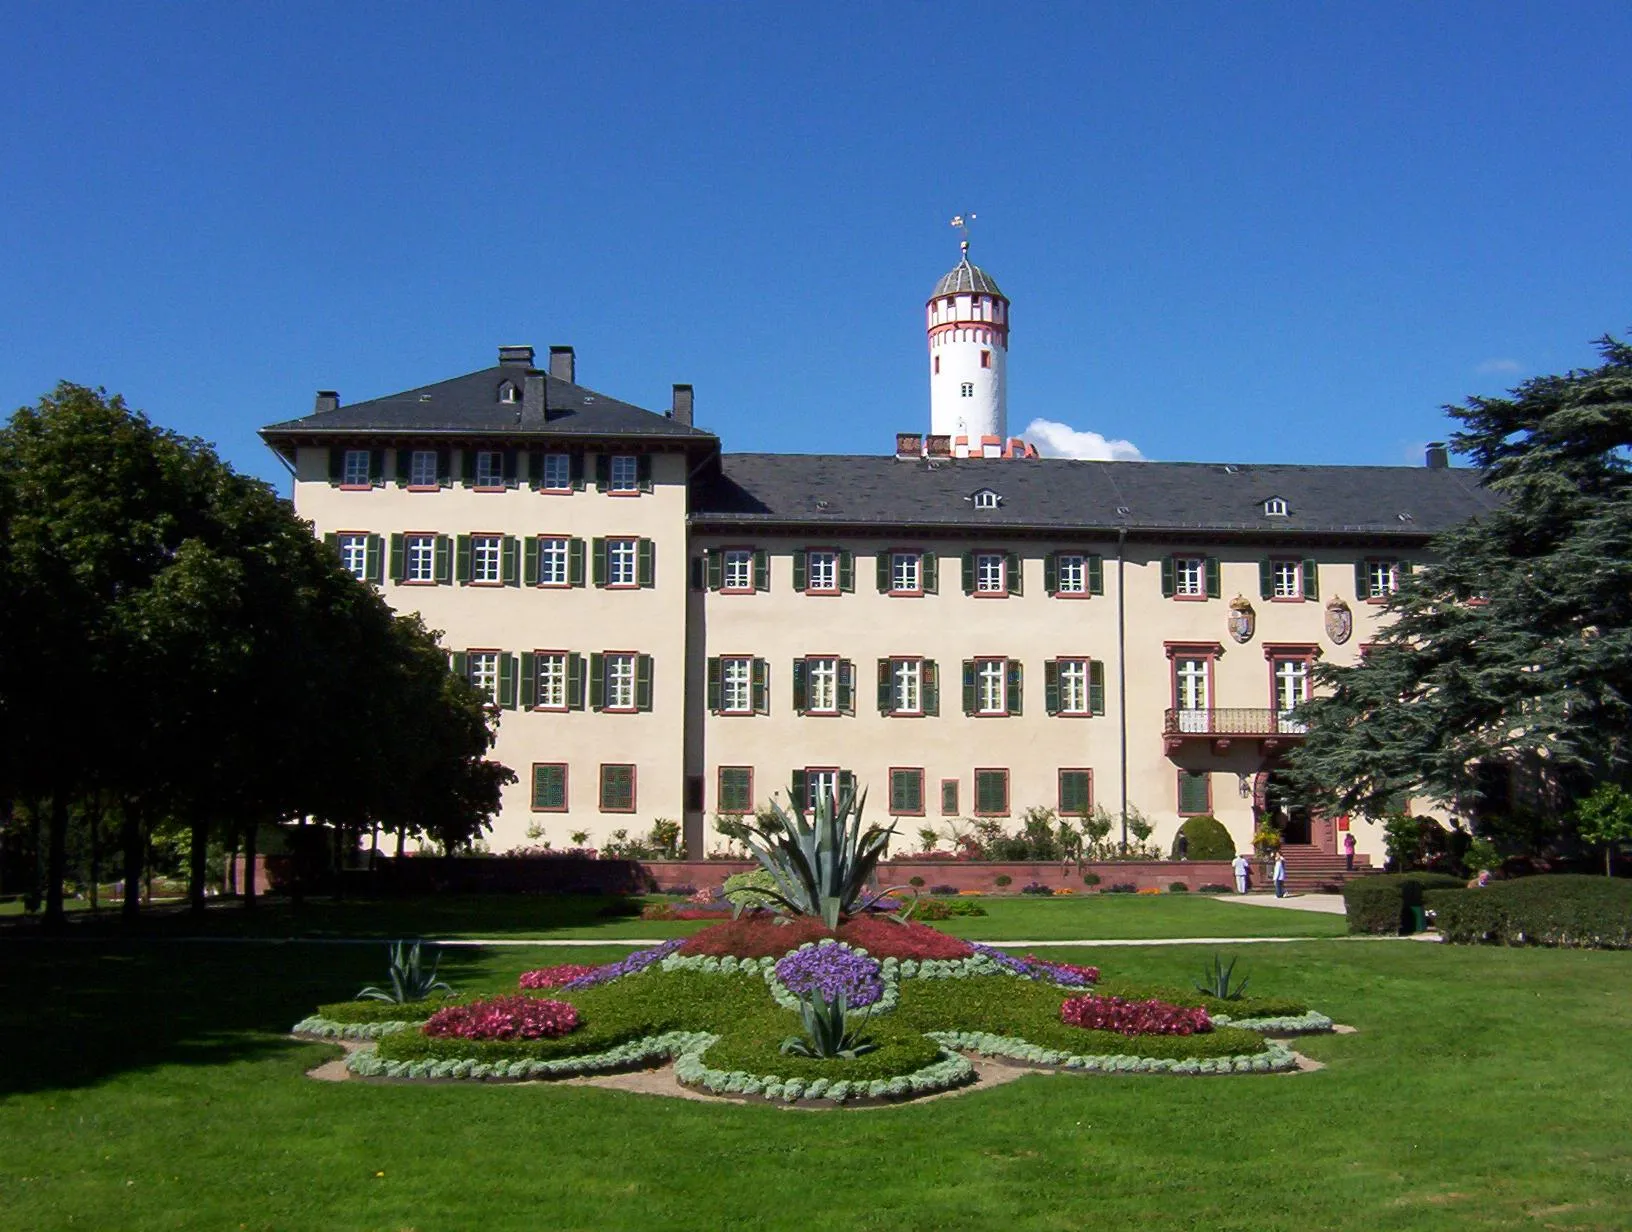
point(1270, 729)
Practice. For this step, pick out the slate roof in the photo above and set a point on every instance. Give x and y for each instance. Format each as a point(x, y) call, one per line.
point(966, 277)
point(470, 404)
point(1061, 494)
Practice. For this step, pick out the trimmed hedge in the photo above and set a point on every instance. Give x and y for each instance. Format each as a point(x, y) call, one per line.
point(1208, 840)
point(1382, 904)
point(1583, 912)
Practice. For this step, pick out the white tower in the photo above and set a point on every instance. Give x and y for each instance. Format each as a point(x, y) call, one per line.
point(968, 323)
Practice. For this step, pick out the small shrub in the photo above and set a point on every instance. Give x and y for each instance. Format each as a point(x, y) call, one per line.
point(1212, 887)
point(503, 1018)
point(945, 909)
point(1382, 904)
point(1178, 887)
point(916, 883)
point(409, 979)
point(1037, 888)
point(1090, 879)
point(1215, 981)
point(745, 890)
point(1575, 911)
point(1121, 887)
point(1003, 879)
point(944, 891)
point(1205, 839)
point(1133, 1017)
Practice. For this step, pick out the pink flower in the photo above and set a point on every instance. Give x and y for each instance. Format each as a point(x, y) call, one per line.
point(504, 1018)
point(1133, 1017)
point(553, 977)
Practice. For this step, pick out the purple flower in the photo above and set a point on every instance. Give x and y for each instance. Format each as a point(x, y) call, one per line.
point(827, 972)
point(1032, 968)
point(638, 961)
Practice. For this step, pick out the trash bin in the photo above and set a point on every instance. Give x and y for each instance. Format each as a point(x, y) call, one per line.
point(1418, 920)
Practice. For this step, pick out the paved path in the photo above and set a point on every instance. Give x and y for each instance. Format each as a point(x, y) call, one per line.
point(1330, 904)
point(582, 943)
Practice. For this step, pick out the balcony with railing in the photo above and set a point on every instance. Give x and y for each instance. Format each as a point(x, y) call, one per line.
point(1220, 725)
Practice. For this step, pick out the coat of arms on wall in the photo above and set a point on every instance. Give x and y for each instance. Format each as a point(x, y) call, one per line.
point(1242, 619)
point(1339, 621)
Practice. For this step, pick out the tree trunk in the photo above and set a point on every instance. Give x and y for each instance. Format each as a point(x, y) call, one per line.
point(56, 918)
point(1609, 854)
point(131, 833)
point(249, 864)
point(93, 818)
point(32, 896)
point(339, 861)
point(198, 860)
point(301, 862)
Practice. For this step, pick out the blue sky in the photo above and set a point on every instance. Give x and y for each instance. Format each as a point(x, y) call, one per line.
point(1249, 232)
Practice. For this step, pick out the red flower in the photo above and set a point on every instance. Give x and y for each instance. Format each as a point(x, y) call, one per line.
point(553, 977)
point(504, 1018)
point(1133, 1017)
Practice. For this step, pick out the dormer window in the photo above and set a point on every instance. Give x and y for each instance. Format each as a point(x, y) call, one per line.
point(987, 499)
point(508, 392)
point(1275, 507)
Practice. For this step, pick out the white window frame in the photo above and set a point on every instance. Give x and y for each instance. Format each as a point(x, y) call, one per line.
point(551, 680)
point(1286, 577)
point(357, 469)
point(422, 469)
point(554, 560)
point(1071, 574)
point(1190, 577)
point(618, 681)
point(1072, 675)
point(818, 783)
point(987, 499)
point(489, 468)
point(419, 558)
point(1291, 684)
point(822, 571)
point(736, 685)
point(624, 473)
point(822, 686)
point(482, 669)
point(1275, 507)
point(622, 563)
point(991, 686)
point(906, 686)
point(737, 570)
point(354, 555)
point(486, 560)
point(968, 389)
point(1192, 689)
point(1382, 578)
point(991, 573)
point(557, 472)
point(906, 573)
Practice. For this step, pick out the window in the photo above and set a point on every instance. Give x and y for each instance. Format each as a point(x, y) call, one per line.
point(989, 678)
point(822, 571)
point(906, 686)
point(736, 686)
point(1275, 507)
point(1382, 578)
point(991, 793)
point(987, 499)
point(489, 468)
point(821, 686)
point(991, 573)
point(1286, 578)
point(554, 561)
point(906, 573)
point(550, 673)
point(487, 559)
point(985, 359)
point(949, 797)
point(1076, 793)
point(1073, 676)
point(1189, 576)
point(549, 787)
point(1290, 682)
point(991, 686)
point(482, 669)
point(1190, 686)
point(419, 558)
point(1072, 575)
point(736, 790)
point(354, 554)
point(357, 471)
point(820, 785)
point(937, 365)
point(625, 473)
point(617, 789)
point(620, 682)
point(1195, 793)
point(907, 792)
point(621, 559)
point(968, 390)
point(422, 469)
point(739, 570)
point(557, 473)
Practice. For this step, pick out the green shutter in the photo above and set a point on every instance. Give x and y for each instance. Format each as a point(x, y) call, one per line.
point(1051, 686)
point(799, 791)
point(460, 664)
point(529, 561)
point(969, 686)
point(1266, 579)
point(847, 570)
point(1215, 587)
point(541, 785)
point(1014, 575)
point(535, 469)
point(509, 574)
point(332, 542)
point(847, 784)
point(1096, 574)
point(405, 465)
point(467, 467)
point(799, 686)
point(968, 573)
point(646, 563)
point(883, 564)
point(643, 682)
point(399, 557)
point(462, 559)
point(927, 571)
point(714, 686)
point(337, 465)
point(1169, 578)
point(716, 568)
point(762, 570)
point(603, 472)
point(507, 680)
point(949, 797)
point(886, 694)
point(846, 686)
point(1096, 687)
point(374, 559)
point(444, 468)
point(1015, 676)
point(801, 569)
point(575, 562)
point(575, 682)
point(1311, 579)
point(529, 680)
point(1362, 581)
point(643, 472)
point(376, 467)
point(1074, 793)
point(598, 569)
point(597, 681)
point(1192, 792)
point(762, 687)
point(932, 688)
point(511, 457)
point(444, 561)
point(576, 470)
point(1051, 573)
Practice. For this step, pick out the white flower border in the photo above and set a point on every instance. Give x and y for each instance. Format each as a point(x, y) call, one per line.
point(367, 1063)
point(943, 1074)
point(320, 1027)
point(1276, 1058)
point(1296, 1024)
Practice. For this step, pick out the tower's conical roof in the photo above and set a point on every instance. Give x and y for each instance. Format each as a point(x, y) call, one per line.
point(966, 277)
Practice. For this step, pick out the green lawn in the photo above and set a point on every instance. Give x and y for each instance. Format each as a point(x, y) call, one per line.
point(147, 1084)
point(1070, 918)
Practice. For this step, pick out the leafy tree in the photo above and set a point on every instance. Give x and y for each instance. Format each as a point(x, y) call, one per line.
point(1515, 647)
point(1606, 817)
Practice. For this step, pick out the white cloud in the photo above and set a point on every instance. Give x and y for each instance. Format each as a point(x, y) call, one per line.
point(1492, 366)
point(1058, 440)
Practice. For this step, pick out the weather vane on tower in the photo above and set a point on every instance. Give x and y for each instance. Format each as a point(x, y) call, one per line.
point(961, 223)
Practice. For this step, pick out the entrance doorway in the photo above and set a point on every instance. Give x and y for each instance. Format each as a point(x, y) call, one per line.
point(1280, 806)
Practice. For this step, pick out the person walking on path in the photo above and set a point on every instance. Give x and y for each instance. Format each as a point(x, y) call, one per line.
point(1280, 875)
point(1239, 864)
point(1348, 852)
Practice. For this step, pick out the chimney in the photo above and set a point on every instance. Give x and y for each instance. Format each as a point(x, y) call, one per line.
point(938, 446)
point(327, 400)
point(515, 357)
point(681, 412)
point(1439, 458)
point(908, 446)
point(562, 366)
point(532, 397)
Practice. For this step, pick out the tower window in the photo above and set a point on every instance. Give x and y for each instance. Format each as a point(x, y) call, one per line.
point(968, 389)
point(937, 365)
point(985, 359)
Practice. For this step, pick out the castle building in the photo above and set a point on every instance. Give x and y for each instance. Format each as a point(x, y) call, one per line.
point(672, 631)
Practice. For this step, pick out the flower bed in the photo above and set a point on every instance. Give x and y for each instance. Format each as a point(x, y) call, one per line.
point(763, 937)
point(1133, 1017)
point(554, 977)
point(503, 1018)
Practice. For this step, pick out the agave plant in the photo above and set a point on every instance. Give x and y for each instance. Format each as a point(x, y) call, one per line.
point(830, 1031)
point(1215, 981)
point(820, 866)
point(409, 980)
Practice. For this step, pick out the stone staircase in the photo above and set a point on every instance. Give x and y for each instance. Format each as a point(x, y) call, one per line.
point(1308, 870)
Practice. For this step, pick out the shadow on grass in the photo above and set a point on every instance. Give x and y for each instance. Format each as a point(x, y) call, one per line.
point(74, 1012)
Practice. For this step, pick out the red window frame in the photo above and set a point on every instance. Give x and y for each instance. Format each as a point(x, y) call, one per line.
point(736, 590)
point(890, 779)
point(486, 534)
point(1193, 650)
point(1007, 784)
point(838, 667)
point(1200, 560)
point(913, 594)
point(1059, 789)
point(809, 802)
point(566, 796)
point(476, 483)
point(1303, 583)
point(1004, 661)
point(1178, 793)
point(566, 684)
point(634, 796)
point(606, 682)
point(719, 791)
point(736, 658)
point(611, 476)
point(566, 584)
point(822, 590)
point(1379, 600)
point(1293, 652)
point(545, 490)
point(433, 536)
point(954, 784)
point(368, 469)
point(1087, 710)
point(609, 541)
point(978, 593)
point(906, 714)
point(434, 486)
